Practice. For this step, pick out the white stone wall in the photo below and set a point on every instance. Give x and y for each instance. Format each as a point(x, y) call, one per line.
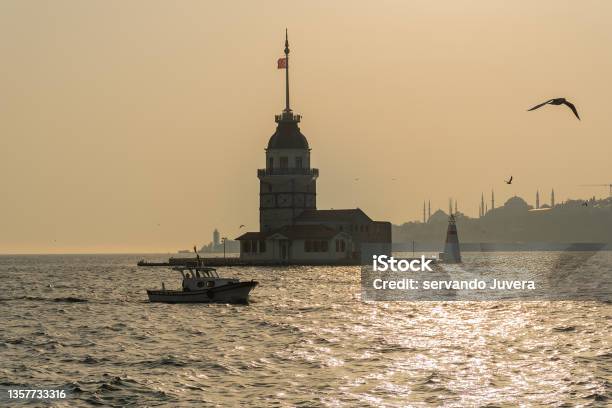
point(269, 254)
point(270, 219)
point(297, 252)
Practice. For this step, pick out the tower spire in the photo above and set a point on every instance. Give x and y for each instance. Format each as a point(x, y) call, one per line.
point(287, 108)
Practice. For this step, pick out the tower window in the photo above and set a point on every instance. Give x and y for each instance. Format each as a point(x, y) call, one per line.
point(298, 162)
point(270, 163)
point(284, 162)
point(316, 246)
point(340, 245)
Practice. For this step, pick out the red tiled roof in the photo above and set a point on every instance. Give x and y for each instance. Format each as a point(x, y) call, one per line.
point(307, 232)
point(293, 232)
point(348, 215)
point(252, 236)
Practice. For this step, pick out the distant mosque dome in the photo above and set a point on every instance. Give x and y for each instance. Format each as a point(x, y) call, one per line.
point(439, 216)
point(288, 136)
point(516, 203)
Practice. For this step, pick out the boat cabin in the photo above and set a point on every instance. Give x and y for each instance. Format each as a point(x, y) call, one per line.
point(201, 278)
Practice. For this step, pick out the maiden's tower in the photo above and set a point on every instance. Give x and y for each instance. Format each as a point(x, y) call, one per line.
point(291, 229)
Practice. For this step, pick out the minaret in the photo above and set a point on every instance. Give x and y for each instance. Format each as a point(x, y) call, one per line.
point(424, 220)
point(492, 199)
point(456, 206)
point(537, 199)
point(450, 206)
point(428, 210)
point(287, 185)
point(552, 198)
point(482, 205)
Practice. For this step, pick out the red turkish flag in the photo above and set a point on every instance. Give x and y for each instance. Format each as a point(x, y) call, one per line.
point(282, 63)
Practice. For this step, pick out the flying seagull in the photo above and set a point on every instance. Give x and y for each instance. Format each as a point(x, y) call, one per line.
point(558, 101)
point(509, 181)
point(241, 225)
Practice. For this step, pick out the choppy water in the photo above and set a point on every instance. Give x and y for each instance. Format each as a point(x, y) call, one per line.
point(306, 339)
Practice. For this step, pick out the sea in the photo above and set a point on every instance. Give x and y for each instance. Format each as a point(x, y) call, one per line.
point(83, 324)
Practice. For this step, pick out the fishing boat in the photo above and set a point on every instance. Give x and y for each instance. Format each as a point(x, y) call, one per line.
point(202, 284)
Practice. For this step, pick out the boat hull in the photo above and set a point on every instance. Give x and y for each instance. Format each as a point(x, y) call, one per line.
point(231, 293)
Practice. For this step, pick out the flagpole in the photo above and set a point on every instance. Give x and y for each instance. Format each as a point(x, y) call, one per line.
point(287, 109)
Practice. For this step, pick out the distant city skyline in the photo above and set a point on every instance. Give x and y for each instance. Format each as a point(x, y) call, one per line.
point(482, 209)
point(517, 222)
point(133, 127)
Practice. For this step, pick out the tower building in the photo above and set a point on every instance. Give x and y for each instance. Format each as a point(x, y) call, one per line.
point(291, 228)
point(552, 198)
point(216, 238)
point(537, 199)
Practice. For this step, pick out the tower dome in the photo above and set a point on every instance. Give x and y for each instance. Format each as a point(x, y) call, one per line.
point(288, 135)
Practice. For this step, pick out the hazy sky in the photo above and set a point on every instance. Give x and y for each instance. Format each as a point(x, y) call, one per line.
point(139, 125)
